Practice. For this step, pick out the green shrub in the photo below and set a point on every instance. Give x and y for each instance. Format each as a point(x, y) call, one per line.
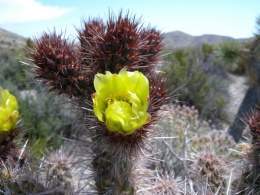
point(197, 80)
point(46, 118)
point(207, 49)
point(13, 72)
point(231, 57)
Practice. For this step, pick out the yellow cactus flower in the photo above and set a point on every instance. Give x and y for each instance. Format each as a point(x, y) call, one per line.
point(121, 100)
point(9, 114)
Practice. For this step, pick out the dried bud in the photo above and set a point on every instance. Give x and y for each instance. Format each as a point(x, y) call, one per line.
point(254, 122)
point(57, 64)
point(122, 42)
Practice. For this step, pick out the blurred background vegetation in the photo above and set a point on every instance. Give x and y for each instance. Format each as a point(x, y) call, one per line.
point(200, 76)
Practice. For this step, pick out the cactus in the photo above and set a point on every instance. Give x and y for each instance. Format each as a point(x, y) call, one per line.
point(209, 167)
point(253, 176)
point(155, 181)
point(112, 76)
point(249, 182)
point(58, 172)
point(51, 176)
point(9, 118)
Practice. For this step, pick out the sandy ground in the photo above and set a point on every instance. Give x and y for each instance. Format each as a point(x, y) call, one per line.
point(237, 91)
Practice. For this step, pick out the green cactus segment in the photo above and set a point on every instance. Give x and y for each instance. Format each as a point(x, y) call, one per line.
point(9, 114)
point(121, 100)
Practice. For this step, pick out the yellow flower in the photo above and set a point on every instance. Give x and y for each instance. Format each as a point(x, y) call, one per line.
point(121, 100)
point(9, 114)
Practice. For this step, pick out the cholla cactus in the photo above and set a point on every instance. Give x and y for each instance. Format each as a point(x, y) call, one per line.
point(57, 64)
point(253, 121)
point(150, 181)
point(112, 75)
point(254, 125)
point(58, 170)
point(9, 117)
point(51, 176)
point(215, 140)
point(249, 182)
point(209, 169)
point(201, 157)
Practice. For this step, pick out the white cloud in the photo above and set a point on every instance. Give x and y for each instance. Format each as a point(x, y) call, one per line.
point(20, 11)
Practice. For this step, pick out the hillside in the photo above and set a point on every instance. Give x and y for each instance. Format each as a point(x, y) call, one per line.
point(171, 40)
point(9, 40)
point(178, 39)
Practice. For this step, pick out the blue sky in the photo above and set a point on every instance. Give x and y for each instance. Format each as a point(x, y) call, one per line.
point(224, 17)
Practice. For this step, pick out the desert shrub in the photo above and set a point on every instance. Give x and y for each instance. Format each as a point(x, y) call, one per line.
point(231, 55)
point(13, 72)
point(46, 118)
point(207, 49)
point(196, 80)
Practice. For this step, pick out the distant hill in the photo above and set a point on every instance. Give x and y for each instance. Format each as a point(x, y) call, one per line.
point(171, 40)
point(178, 39)
point(9, 40)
